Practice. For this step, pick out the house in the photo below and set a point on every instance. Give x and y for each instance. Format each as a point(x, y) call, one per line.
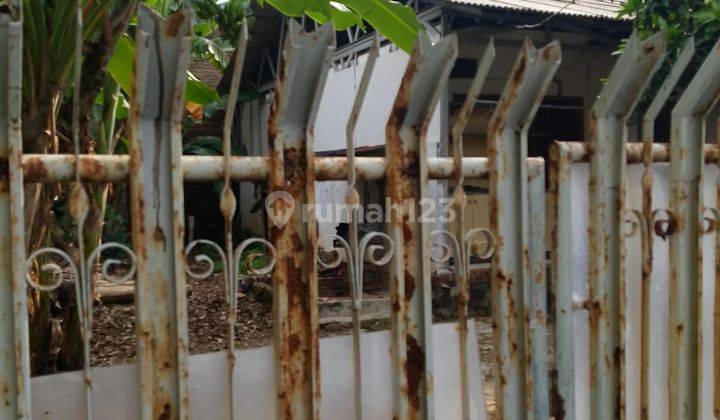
point(588, 30)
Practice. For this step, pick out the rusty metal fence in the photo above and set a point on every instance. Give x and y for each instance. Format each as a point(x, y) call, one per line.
point(605, 241)
point(636, 302)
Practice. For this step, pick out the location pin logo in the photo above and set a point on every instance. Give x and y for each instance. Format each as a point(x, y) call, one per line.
point(280, 207)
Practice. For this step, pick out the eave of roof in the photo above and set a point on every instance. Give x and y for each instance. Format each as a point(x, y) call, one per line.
point(594, 9)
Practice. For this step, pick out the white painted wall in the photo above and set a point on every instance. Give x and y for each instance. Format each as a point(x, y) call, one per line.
point(254, 137)
point(59, 396)
point(336, 105)
point(339, 96)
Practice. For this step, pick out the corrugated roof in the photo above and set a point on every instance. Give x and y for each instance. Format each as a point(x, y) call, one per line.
point(603, 9)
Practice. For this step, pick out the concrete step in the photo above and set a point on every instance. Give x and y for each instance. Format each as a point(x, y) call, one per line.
point(339, 310)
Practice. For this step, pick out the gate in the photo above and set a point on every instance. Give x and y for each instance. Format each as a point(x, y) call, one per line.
point(605, 241)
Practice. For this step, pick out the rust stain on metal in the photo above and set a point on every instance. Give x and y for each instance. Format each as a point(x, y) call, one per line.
point(414, 368)
point(666, 227)
point(35, 169)
point(291, 162)
point(93, 169)
point(4, 175)
point(409, 286)
point(411, 164)
point(406, 180)
point(165, 414)
point(173, 24)
point(400, 281)
point(558, 403)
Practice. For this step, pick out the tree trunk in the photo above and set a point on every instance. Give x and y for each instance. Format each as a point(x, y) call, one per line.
point(41, 359)
point(40, 136)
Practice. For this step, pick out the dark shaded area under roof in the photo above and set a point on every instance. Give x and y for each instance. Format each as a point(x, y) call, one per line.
point(267, 24)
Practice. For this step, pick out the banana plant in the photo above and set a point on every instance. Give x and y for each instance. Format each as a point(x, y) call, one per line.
point(48, 61)
point(392, 19)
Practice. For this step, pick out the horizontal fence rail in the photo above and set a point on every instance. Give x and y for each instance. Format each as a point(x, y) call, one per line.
point(116, 168)
point(632, 231)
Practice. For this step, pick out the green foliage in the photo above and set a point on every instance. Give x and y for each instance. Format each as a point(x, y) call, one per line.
point(394, 20)
point(226, 18)
point(203, 146)
point(217, 28)
point(677, 19)
point(210, 146)
point(256, 257)
point(339, 14)
point(117, 222)
point(49, 32)
point(121, 69)
point(198, 92)
point(49, 42)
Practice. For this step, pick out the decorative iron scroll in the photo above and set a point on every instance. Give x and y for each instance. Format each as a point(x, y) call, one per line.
point(664, 222)
point(367, 252)
point(61, 267)
point(66, 269)
point(57, 265)
point(206, 262)
point(253, 256)
point(635, 223)
point(53, 269)
point(105, 266)
point(206, 266)
point(478, 243)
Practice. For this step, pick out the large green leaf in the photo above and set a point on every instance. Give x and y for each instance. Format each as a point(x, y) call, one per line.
point(198, 92)
point(294, 8)
point(121, 69)
point(121, 63)
point(341, 16)
point(394, 20)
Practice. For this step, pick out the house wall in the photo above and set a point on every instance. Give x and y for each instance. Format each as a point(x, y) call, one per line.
point(339, 97)
point(335, 107)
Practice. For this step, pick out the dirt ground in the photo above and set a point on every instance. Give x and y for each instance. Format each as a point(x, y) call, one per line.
point(113, 340)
